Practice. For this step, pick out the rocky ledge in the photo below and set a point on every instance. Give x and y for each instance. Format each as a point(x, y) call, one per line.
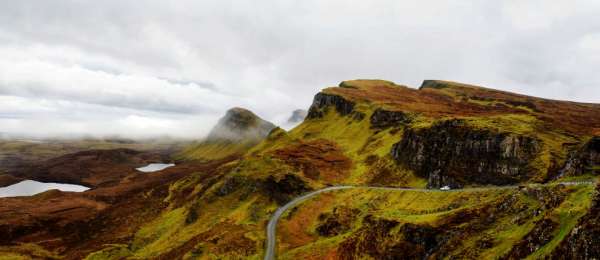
point(383, 118)
point(322, 101)
point(452, 153)
point(585, 160)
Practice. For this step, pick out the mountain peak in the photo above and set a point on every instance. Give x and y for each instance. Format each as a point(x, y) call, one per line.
point(238, 124)
point(297, 116)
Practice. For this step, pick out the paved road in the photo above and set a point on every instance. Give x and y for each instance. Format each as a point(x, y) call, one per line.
point(272, 226)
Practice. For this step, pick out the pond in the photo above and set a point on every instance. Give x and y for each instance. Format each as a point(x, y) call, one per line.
point(154, 167)
point(29, 188)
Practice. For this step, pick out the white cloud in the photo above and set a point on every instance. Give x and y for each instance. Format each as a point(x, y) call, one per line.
point(171, 69)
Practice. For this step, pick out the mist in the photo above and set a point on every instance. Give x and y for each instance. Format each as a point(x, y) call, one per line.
point(110, 68)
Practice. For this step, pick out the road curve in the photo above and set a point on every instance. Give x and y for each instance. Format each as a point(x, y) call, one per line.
point(272, 226)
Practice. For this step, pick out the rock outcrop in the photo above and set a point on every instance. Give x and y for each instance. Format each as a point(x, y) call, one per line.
point(383, 118)
point(585, 160)
point(337, 222)
point(541, 234)
point(297, 116)
point(240, 124)
point(322, 101)
point(382, 239)
point(283, 189)
point(583, 242)
point(452, 153)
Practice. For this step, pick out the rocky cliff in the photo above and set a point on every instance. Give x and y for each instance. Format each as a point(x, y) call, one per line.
point(585, 160)
point(362, 133)
point(454, 154)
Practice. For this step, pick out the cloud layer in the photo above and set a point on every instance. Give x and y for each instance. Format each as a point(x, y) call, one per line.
point(158, 68)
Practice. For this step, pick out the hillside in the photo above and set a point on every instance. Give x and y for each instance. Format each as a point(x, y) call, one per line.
point(236, 132)
point(371, 133)
point(16, 154)
point(91, 168)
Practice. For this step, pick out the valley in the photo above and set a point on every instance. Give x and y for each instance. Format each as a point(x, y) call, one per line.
point(359, 178)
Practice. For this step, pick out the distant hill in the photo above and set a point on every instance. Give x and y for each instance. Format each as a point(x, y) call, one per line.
point(297, 116)
point(91, 168)
point(510, 161)
point(236, 132)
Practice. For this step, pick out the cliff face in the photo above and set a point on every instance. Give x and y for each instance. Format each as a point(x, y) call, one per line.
point(363, 133)
point(382, 118)
point(456, 134)
point(585, 160)
point(451, 153)
point(322, 101)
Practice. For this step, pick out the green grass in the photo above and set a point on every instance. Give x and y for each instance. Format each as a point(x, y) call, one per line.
point(356, 139)
point(110, 252)
point(214, 150)
point(433, 208)
point(26, 251)
point(567, 214)
point(522, 124)
point(155, 237)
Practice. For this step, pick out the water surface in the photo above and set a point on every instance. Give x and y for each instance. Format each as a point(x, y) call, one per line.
point(154, 167)
point(29, 188)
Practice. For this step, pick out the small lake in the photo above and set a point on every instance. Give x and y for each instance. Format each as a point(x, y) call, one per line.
point(154, 167)
point(29, 188)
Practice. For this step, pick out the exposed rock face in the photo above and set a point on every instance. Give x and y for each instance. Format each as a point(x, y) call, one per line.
point(541, 234)
point(379, 240)
point(583, 242)
point(284, 189)
point(437, 84)
point(384, 118)
point(239, 124)
point(322, 101)
point(297, 116)
point(585, 160)
point(337, 222)
point(450, 153)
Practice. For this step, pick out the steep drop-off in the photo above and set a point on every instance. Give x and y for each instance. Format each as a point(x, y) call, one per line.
point(376, 133)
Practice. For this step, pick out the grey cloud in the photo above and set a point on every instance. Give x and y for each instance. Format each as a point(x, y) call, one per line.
point(202, 57)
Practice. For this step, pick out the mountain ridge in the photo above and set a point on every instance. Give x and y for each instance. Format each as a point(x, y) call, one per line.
point(368, 133)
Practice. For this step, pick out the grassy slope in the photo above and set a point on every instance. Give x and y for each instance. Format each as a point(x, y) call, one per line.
point(426, 209)
point(214, 150)
point(214, 224)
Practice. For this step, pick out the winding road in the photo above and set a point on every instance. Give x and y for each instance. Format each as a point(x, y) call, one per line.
point(272, 226)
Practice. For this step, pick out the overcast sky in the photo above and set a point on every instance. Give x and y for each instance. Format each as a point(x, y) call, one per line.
point(147, 68)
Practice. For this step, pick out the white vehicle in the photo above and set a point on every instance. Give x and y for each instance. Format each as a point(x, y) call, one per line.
point(445, 188)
